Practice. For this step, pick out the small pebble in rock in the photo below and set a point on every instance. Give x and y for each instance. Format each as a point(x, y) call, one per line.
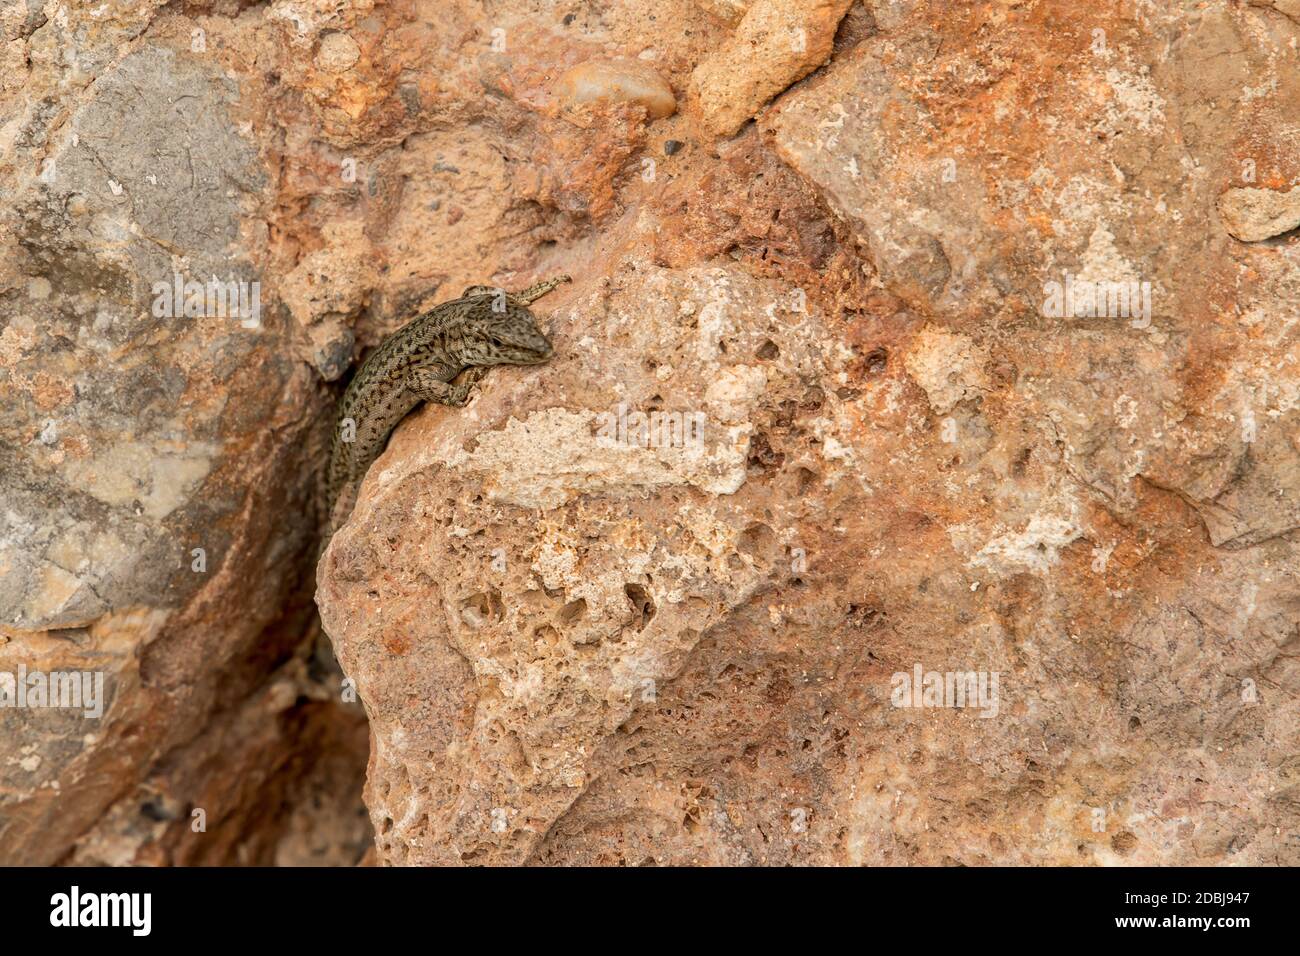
point(672, 146)
point(629, 81)
point(338, 52)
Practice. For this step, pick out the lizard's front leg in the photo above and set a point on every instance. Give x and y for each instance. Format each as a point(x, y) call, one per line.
point(426, 383)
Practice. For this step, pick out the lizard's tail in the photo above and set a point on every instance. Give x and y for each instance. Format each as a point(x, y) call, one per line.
point(340, 499)
point(333, 484)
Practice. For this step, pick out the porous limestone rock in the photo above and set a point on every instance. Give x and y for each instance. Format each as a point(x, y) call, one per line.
point(920, 453)
point(946, 365)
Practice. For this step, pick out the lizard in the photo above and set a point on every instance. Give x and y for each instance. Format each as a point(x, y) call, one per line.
point(419, 362)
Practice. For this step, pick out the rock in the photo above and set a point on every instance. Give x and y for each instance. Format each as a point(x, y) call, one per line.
point(617, 617)
point(729, 11)
point(156, 472)
point(325, 292)
point(106, 276)
point(338, 52)
point(617, 81)
point(666, 655)
point(949, 367)
point(331, 283)
point(1253, 215)
point(1290, 8)
point(777, 43)
point(946, 365)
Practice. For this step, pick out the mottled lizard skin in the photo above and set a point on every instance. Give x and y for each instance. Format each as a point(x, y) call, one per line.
point(417, 363)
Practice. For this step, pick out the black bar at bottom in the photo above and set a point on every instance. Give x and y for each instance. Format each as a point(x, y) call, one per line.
point(367, 906)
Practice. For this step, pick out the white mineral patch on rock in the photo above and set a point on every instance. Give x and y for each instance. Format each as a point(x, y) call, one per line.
point(732, 395)
point(950, 368)
point(159, 476)
point(1034, 548)
point(1136, 100)
point(555, 455)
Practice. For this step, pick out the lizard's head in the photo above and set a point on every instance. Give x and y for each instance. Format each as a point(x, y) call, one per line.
point(508, 337)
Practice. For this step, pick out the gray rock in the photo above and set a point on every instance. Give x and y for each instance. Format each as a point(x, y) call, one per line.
point(150, 178)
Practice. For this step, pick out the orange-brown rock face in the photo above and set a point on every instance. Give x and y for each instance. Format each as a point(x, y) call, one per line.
point(915, 480)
